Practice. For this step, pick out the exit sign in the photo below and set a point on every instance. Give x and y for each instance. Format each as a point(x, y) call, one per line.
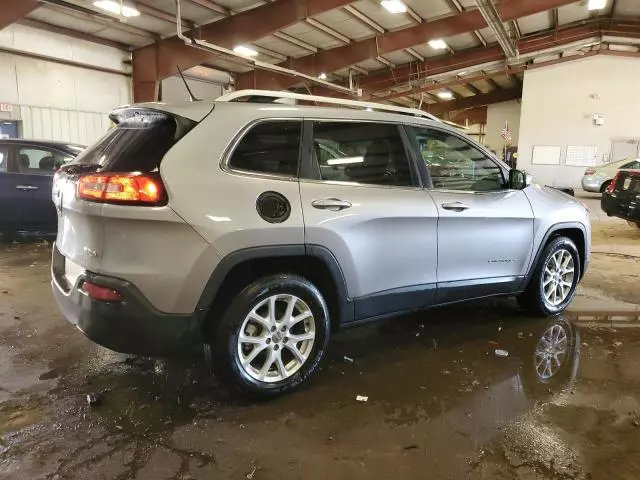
point(6, 107)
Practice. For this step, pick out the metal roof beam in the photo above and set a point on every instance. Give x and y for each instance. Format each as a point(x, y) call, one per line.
point(341, 57)
point(158, 61)
point(14, 10)
point(214, 7)
point(328, 30)
point(478, 56)
point(364, 19)
point(476, 101)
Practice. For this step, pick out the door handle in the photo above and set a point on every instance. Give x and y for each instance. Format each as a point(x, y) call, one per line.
point(455, 206)
point(333, 204)
point(26, 187)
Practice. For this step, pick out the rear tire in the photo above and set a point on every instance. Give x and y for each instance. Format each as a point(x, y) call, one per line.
point(604, 186)
point(554, 279)
point(272, 337)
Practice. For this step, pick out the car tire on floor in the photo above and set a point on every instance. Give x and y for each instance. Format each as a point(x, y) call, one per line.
point(554, 280)
point(272, 337)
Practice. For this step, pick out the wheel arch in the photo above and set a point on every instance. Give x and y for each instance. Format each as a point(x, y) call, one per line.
point(238, 269)
point(576, 231)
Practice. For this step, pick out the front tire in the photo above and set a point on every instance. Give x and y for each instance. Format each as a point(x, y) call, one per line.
point(554, 280)
point(272, 337)
point(604, 186)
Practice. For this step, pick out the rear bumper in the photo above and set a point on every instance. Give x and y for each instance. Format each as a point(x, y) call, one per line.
point(627, 209)
point(129, 326)
point(592, 183)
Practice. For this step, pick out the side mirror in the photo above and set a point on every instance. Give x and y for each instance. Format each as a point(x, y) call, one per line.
point(519, 180)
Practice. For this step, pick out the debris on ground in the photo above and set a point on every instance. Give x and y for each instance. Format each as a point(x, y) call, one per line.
point(491, 342)
point(362, 398)
point(585, 344)
point(252, 472)
point(617, 344)
point(348, 359)
point(5, 291)
point(520, 335)
point(501, 353)
point(417, 334)
point(411, 447)
point(94, 399)
point(16, 317)
point(636, 422)
point(445, 372)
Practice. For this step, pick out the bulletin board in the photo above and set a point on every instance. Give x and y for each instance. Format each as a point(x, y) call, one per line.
point(546, 154)
point(582, 155)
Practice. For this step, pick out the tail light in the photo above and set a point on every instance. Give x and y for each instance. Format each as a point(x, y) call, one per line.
point(103, 294)
point(612, 185)
point(123, 188)
point(589, 171)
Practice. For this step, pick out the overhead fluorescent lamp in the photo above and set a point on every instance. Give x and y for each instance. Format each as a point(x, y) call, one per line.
point(438, 44)
point(322, 76)
point(108, 5)
point(596, 4)
point(464, 72)
point(112, 6)
point(394, 6)
point(245, 51)
point(345, 161)
point(128, 11)
point(446, 95)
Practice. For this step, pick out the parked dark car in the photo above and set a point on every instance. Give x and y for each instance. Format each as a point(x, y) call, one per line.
point(26, 172)
point(622, 198)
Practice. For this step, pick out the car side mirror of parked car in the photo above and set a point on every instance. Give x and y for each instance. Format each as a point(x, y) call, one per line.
point(519, 180)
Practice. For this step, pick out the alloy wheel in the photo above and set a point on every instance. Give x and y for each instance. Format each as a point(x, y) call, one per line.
point(558, 276)
point(276, 338)
point(551, 352)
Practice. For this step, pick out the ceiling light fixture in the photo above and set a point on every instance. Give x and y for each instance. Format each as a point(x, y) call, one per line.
point(128, 11)
point(322, 76)
point(115, 7)
point(394, 6)
point(596, 4)
point(245, 51)
point(464, 72)
point(438, 44)
point(446, 95)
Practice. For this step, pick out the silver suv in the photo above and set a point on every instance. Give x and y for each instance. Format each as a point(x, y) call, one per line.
point(258, 228)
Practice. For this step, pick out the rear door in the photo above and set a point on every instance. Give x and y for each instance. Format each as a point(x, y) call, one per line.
point(626, 194)
point(36, 167)
point(363, 201)
point(485, 229)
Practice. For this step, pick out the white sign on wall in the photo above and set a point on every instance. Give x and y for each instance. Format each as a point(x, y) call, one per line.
point(546, 154)
point(582, 155)
point(6, 107)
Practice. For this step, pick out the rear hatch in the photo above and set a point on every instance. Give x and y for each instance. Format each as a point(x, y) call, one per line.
point(625, 193)
point(112, 197)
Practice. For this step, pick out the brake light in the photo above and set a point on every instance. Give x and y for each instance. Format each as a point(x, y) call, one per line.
point(134, 188)
point(103, 294)
point(589, 172)
point(612, 185)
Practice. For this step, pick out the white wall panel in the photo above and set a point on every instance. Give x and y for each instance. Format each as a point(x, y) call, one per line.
point(558, 103)
point(56, 101)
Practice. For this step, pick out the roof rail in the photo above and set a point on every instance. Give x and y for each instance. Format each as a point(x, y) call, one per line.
point(357, 104)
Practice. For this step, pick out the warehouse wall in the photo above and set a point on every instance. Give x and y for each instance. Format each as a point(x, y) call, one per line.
point(54, 100)
point(558, 104)
point(497, 115)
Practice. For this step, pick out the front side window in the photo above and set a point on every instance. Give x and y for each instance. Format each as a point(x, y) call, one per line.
point(455, 164)
point(370, 153)
point(269, 147)
point(635, 164)
point(39, 161)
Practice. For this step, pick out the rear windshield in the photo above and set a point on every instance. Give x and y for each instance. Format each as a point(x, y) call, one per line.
point(138, 141)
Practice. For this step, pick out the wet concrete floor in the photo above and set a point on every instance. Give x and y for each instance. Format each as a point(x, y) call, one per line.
point(441, 403)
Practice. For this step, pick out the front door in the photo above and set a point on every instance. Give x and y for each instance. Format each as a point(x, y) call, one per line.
point(485, 229)
point(365, 205)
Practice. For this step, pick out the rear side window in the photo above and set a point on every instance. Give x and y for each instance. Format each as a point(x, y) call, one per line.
point(269, 147)
point(371, 153)
point(4, 158)
point(138, 142)
point(39, 161)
